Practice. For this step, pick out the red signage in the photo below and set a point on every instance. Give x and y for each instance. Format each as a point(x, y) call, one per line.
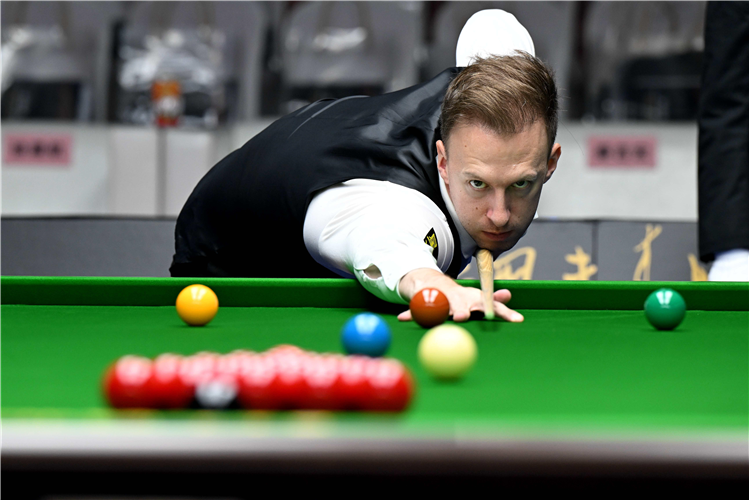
point(622, 151)
point(37, 149)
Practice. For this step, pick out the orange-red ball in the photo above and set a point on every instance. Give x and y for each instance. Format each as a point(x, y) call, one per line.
point(429, 307)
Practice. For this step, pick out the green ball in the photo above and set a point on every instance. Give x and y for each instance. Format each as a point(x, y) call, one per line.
point(665, 309)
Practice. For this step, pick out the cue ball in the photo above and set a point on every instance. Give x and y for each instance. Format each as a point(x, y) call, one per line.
point(429, 307)
point(367, 334)
point(197, 305)
point(665, 309)
point(447, 352)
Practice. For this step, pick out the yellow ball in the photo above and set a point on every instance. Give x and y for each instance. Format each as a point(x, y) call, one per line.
point(447, 351)
point(197, 305)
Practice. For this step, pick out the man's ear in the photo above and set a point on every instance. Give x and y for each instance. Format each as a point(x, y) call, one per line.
point(442, 160)
point(551, 164)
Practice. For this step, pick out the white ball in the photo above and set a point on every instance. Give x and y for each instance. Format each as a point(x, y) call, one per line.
point(447, 351)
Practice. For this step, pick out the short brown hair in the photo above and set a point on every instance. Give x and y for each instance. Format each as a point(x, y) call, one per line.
point(504, 93)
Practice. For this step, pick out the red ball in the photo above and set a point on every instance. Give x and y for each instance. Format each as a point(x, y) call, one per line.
point(429, 307)
point(126, 383)
point(391, 386)
point(353, 386)
point(322, 383)
point(289, 385)
point(198, 368)
point(166, 387)
point(257, 384)
point(233, 364)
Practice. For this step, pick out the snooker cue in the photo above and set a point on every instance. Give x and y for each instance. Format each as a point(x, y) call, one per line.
point(486, 274)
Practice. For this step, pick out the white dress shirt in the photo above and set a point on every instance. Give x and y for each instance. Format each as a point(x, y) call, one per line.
point(374, 231)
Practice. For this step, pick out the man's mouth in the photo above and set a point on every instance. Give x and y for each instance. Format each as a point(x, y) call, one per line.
point(494, 236)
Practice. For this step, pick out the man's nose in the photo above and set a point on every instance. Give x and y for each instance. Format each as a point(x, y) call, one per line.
point(499, 211)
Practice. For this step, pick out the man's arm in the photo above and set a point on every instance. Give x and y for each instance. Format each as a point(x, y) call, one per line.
point(374, 231)
point(463, 300)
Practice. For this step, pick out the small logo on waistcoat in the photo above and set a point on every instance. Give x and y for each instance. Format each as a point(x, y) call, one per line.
point(431, 240)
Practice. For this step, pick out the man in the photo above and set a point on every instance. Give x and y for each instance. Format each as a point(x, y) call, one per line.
point(398, 190)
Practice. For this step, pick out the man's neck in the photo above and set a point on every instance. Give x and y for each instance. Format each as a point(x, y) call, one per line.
point(467, 244)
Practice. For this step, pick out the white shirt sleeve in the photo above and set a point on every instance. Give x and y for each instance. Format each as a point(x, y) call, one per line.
point(375, 231)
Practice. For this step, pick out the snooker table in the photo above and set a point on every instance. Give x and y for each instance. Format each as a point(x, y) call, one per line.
point(583, 394)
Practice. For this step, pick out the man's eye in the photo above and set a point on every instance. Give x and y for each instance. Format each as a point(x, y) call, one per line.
point(478, 184)
point(522, 184)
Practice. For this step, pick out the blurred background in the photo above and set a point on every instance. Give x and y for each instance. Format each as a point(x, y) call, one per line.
point(112, 112)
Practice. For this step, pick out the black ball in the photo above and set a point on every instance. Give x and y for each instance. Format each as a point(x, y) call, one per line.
point(216, 394)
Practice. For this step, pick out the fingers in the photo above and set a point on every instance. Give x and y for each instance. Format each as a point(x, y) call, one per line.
point(502, 296)
point(460, 310)
point(405, 315)
point(500, 309)
point(459, 316)
point(462, 314)
point(506, 313)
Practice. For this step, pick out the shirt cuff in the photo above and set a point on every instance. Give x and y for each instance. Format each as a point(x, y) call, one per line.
point(385, 283)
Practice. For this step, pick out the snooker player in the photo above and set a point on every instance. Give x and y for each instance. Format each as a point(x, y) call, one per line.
point(397, 191)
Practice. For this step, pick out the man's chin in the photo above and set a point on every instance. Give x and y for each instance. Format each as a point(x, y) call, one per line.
point(503, 248)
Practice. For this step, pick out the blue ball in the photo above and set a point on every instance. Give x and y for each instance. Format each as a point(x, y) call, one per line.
point(367, 334)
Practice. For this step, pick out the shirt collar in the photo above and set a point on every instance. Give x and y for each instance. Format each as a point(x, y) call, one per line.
point(467, 245)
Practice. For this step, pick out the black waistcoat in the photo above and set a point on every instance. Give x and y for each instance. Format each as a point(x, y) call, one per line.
point(246, 216)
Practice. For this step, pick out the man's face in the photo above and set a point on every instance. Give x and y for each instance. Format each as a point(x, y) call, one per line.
point(495, 181)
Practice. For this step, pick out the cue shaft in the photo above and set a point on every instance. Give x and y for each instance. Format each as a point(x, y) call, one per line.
point(486, 274)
